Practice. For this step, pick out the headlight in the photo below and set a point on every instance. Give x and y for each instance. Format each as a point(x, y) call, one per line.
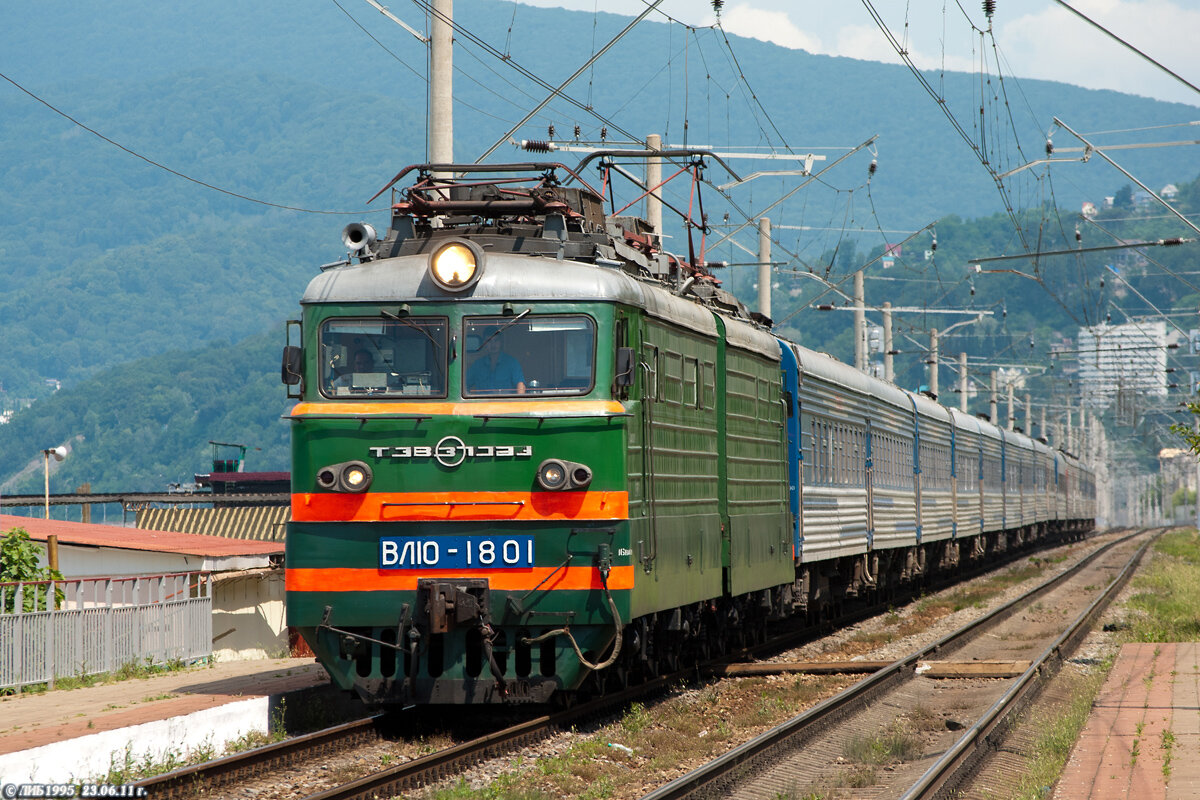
point(350, 476)
point(552, 475)
point(555, 475)
point(456, 265)
point(356, 477)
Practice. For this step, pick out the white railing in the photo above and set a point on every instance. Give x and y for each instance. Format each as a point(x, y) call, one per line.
point(57, 629)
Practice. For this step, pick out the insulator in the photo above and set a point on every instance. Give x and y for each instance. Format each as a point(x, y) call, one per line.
point(550, 131)
point(989, 8)
point(718, 5)
point(537, 146)
point(576, 132)
point(603, 133)
point(1049, 147)
point(1078, 235)
point(874, 166)
point(934, 245)
point(1102, 283)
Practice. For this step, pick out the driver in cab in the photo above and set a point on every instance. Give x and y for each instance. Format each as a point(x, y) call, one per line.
point(361, 362)
point(494, 371)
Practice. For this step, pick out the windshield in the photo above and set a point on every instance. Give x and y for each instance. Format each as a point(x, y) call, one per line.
point(391, 357)
point(527, 354)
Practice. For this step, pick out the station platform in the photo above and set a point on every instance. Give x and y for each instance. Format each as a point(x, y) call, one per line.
point(77, 734)
point(1143, 736)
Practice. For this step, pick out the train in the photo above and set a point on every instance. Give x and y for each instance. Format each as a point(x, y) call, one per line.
point(536, 455)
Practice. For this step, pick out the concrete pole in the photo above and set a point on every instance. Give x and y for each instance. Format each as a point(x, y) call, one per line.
point(654, 178)
point(764, 269)
point(860, 324)
point(1070, 433)
point(933, 362)
point(992, 401)
point(441, 84)
point(962, 382)
point(1042, 424)
point(889, 371)
point(1012, 414)
point(1028, 415)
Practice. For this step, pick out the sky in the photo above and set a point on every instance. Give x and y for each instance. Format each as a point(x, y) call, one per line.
point(1036, 38)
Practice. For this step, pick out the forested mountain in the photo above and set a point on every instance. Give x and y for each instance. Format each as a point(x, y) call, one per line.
point(158, 302)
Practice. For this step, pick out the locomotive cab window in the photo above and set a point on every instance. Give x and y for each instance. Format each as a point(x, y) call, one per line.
point(400, 357)
point(534, 355)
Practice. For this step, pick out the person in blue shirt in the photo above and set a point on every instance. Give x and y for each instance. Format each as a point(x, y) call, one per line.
point(495, 372)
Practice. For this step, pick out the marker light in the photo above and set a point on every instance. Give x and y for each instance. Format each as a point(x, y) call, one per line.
point(455, 266)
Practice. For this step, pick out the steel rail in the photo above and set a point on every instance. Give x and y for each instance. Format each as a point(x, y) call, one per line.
point(186, 781)
point(945, 776)
point(747, 758)
point(435, 766)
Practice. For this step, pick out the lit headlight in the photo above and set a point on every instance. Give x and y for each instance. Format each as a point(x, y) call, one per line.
point(555, 475)
point(356, 477)
point(351, 476)
point(455, 266)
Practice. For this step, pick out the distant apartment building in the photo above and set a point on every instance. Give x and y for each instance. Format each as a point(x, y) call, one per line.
point(1116, 359)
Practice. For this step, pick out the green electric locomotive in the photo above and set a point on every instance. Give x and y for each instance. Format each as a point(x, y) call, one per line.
point(531, 451)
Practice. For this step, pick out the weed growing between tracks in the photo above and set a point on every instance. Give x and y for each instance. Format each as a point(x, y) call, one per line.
point(1060, 726)
point(652, 744)
point(1163, 608)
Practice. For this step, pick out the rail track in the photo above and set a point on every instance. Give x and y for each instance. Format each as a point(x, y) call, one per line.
point(803, 754)
point(216, 776)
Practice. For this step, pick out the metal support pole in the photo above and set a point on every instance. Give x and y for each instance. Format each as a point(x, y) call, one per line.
point(933, 363)
point(889, 370)
point(441, 83)
point(653, 179)
point(860, 324)
point(764, 271)
point(1012, 416)
point(1028, 415)
point(46, 459)
point(962, 382)
point(992, 401)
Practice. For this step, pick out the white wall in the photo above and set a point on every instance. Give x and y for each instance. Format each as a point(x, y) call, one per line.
point(248, 616)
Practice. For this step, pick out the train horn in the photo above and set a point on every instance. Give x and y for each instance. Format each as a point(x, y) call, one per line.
point(358, 236)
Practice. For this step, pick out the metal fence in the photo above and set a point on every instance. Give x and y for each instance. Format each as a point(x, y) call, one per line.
point(88, 626)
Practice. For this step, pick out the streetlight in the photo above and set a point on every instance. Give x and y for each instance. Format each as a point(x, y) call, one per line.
point(59, 454)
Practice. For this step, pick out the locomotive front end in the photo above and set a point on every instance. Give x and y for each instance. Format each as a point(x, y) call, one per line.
point(459, 512)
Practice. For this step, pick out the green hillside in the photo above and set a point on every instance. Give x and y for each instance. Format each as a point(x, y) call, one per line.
point(116, 271)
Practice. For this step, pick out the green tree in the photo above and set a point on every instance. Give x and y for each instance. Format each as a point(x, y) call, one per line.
point(19, 564)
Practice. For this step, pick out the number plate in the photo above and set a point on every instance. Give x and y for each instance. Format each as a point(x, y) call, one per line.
point(456, 552)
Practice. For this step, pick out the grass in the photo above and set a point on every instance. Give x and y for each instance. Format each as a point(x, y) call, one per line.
point(896, 743)
point(1059, 731)
point(693, 727)
point(1164, 608)
point(1166, 605)
point(146, 668)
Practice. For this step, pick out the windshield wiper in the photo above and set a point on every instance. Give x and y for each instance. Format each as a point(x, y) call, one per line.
point(504, 327)
point(437, 348)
